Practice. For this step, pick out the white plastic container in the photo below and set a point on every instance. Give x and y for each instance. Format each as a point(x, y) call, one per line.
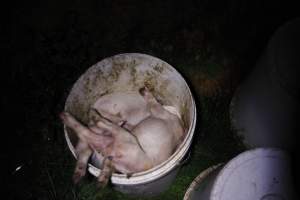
point(265, 108)
point(259, 174)
point(130, 72)
point(201, 186)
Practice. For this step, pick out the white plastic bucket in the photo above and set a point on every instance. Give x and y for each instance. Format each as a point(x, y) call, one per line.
point(259, 174)
point(265, 108)
point(201, 185)
point(130, 72)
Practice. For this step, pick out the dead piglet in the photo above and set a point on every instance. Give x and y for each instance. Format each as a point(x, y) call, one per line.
point(172, 121)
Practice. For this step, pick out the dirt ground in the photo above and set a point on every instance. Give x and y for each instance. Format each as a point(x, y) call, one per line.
point(213, 44)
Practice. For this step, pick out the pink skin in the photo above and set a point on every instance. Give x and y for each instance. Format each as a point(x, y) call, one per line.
point(149, 140)
point(126, 153)
point(123, 106)
point(84, 152)
point(172, 121)
point(160, 133)
point(106, 172)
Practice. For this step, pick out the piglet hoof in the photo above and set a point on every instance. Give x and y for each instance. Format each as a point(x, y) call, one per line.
point(129, 175)
point(63, 116)
point(102, 181)
point(106, 172)
point(79, 172)
point(77, 176)
point(66, 117)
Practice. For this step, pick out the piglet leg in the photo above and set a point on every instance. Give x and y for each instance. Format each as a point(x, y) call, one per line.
point(81, 131)
point(98, 142)
point(83, 152)
point(106, 172)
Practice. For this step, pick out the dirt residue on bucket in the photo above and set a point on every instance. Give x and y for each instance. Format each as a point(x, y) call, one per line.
point(159, 68)
point(185, 118)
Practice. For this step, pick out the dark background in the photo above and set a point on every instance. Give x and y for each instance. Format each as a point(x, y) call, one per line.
point(47, 45)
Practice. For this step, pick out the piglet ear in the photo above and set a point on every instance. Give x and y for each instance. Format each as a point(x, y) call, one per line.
point(79, 172)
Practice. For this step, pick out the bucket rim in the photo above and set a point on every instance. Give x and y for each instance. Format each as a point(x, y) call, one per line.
point(199, 179)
